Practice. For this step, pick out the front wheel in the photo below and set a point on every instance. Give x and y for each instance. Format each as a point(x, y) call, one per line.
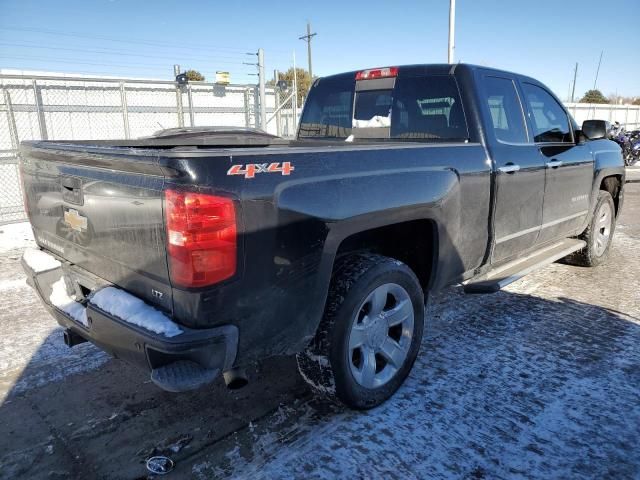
point(598, 234)
point(370, 333)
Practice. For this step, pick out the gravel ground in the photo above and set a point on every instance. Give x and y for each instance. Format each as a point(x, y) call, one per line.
point(541, 380)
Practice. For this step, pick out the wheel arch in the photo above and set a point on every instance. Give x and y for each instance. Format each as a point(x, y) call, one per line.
point(413, 242)
point(613, 185)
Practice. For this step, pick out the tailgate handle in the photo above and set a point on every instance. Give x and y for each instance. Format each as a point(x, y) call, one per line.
point(70, 183)
point(72, 190)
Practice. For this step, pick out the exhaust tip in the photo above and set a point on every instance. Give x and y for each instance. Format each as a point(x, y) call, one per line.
point(71, 338)
point(235, 378)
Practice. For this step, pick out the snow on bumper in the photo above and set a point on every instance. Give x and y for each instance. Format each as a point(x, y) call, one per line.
point(125, 326)
point(133, 310)
point(114, 301)
point(39, 261)
point(60, 298)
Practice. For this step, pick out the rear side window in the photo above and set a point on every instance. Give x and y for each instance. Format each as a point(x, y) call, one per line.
point(549, 120)
point(327, 112)
point(428, 107)
point(507, 118)
point(416, 108)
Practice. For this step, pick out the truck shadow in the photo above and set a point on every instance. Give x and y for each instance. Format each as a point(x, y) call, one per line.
point(490, 366)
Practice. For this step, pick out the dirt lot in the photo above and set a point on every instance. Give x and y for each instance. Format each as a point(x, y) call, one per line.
point(539, 381)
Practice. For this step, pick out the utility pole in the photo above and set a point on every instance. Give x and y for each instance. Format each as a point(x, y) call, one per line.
point(573, 88)
point(308, 38)
point(263, 96)
point(452, 29)
point(598, 70)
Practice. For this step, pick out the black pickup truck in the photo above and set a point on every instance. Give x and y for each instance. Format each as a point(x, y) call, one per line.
point(196, 251)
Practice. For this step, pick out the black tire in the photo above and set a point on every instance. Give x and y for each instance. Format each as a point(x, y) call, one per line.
point(591, 255)
point(326, 363)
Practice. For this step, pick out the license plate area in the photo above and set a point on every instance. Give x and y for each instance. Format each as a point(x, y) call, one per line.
point(80, 284)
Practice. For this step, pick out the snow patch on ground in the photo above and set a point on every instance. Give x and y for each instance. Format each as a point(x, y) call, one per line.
point(64, 302)
point(16, 235)
point(12, 284)
point(133, 310)
point(39, 261)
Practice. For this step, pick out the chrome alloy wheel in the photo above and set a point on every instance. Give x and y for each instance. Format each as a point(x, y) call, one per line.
point(602, 234)
point(381, 335)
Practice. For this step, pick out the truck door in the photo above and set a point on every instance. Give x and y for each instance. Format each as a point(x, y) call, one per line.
point(568, 165)
point(519, 169)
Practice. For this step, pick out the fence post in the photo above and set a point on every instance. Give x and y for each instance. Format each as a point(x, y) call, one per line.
point(256, 107)
point(11, 120)
point(42, 121)
point(191, 116)
point(262, 94)
point(125, 111)
point(276, 94)
point(294, 104)
point(247, 105)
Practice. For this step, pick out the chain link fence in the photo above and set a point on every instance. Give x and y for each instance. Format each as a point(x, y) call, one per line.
point(76, 108)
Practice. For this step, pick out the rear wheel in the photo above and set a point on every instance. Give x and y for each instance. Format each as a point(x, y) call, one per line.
point(370, 334)
point(598, 234)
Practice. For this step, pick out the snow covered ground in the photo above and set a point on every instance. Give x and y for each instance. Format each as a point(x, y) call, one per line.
point(15, 236)
point(539, 381)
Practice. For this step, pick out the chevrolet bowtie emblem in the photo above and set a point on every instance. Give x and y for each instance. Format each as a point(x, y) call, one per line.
point(75, 220)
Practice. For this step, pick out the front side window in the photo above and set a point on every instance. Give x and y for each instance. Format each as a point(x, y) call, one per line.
point(507, 118)
point(549, 120)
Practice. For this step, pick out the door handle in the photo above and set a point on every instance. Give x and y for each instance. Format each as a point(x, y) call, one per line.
point(509, 168)
point(554, 164)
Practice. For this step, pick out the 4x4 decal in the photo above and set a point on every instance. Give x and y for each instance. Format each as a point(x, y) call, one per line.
point(250, 170)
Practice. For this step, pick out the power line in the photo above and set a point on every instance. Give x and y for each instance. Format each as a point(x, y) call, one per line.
point(123, 64)
point(120, 40)
point(116, 52)
point(114, 39)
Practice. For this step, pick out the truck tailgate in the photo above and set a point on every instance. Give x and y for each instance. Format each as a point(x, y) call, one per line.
point(100, 209)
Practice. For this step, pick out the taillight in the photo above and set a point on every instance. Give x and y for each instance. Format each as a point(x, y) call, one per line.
point(377, 73)
point(201, 238)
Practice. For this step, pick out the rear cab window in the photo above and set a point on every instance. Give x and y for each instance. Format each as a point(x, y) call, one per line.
point(412, 108)
point(505, 110)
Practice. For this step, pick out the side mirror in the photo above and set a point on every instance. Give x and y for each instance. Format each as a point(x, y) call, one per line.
point(595, 129)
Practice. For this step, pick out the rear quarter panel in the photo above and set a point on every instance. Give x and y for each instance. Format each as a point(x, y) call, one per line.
point(291, 226)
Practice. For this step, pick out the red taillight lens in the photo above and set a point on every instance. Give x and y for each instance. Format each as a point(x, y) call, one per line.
point(377, 73)
point(201, 238)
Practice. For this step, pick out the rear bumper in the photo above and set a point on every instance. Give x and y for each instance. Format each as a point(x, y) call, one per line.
point(211, 349)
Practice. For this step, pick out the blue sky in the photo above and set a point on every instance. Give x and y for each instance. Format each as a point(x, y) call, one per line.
point(541, 38)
